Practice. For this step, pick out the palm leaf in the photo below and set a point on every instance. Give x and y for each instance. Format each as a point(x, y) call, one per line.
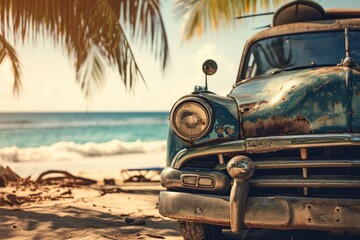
point(205, 15)
point(143, 19)
point(91, 32)
point(7, 52)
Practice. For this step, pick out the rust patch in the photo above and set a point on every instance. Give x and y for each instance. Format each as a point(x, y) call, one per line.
point(276, 125)
point(230, 130)
point(224, 131)
point(220, 130)
point(357, 93)
point(251, 107)
point(354, 208)
point(323, 118)
point(331, 70)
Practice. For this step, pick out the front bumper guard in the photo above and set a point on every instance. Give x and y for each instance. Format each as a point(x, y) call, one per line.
point(265, 212)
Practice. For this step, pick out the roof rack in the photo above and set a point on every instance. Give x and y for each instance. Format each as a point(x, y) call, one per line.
point(298, 11)
point(306, 10)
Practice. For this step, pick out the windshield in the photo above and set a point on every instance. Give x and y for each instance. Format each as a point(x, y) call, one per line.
point(354, 42)
point(273, 54)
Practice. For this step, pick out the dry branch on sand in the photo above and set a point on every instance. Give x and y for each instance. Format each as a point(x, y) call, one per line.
point(17, 190)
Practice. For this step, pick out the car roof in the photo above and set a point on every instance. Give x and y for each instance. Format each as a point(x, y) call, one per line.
point(307, 16)
point(304, 16)
point(311, 26)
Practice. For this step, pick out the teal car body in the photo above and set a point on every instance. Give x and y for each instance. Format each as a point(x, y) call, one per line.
point(282, 149)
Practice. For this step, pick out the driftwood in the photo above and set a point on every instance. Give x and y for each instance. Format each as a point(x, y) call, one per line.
point(110, 190)
point(9, 200)
point(141, 174)
point(25, 190)
point(2, 182)
point(66, 180)
point(7, 175)
point(109, 181)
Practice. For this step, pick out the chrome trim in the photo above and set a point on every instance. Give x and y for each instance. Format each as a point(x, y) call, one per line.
point(267, 144)
point(304, 156)
point(321, 181)
point(240, 167)
point(265, 212)
point(238, 201)
point(278, 164)
point(183, 206)
point(186, 154)
point(172, 179)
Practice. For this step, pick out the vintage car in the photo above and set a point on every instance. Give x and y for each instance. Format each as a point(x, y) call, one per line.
point(282, 150)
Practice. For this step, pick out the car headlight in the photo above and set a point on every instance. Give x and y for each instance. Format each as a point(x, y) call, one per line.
point(191, 118)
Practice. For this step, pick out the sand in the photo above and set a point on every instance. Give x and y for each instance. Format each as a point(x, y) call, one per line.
point(87, 213)
point(92, 167)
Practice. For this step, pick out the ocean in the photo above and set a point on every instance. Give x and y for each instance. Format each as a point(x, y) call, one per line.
point(75, 135)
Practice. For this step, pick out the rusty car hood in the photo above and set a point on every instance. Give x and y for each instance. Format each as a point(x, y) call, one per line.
point(317, 100)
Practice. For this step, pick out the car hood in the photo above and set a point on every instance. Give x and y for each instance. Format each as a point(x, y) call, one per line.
point(318, 100)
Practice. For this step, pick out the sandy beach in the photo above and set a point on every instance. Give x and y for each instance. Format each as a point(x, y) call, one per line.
point(121, 211)
point(88, 214)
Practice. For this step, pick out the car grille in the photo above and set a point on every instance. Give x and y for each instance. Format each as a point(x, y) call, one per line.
point(326, 172)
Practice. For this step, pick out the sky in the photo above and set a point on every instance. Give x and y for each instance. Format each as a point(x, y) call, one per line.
point(48, 76)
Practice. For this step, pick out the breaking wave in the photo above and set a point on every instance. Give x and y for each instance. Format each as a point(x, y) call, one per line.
point(9, 125)
point(71, 150)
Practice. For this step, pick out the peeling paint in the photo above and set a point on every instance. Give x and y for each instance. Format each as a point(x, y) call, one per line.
point(263, 145)
point(276, 125)
point(323, 118)
point(292, 89)
point(251, 107)
point(337, 70)
point(320, 86)
point(223, 131)
point(316, 107)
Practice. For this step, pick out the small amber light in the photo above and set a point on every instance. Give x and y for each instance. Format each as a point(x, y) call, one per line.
point(189, 180)
point(205, 181)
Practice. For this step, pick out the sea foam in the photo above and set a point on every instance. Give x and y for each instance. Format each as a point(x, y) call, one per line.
point(71, 150)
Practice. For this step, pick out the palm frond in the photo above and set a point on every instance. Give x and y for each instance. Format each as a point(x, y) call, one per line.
point(206, 15)
point(7, 52)
point(143, 19)
point(91, 33)
point(90, 75)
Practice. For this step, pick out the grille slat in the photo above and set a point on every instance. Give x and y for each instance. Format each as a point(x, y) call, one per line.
point(313, 181)
point(276, 164)
point(330, 172)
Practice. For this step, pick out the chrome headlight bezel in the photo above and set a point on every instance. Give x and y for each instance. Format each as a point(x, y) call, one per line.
point(200, 104)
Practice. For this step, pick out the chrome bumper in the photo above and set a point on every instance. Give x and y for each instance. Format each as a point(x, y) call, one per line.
point(265, 212)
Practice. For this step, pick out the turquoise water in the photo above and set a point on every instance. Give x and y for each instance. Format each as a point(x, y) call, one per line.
point(32, 143)
point(43, 129)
